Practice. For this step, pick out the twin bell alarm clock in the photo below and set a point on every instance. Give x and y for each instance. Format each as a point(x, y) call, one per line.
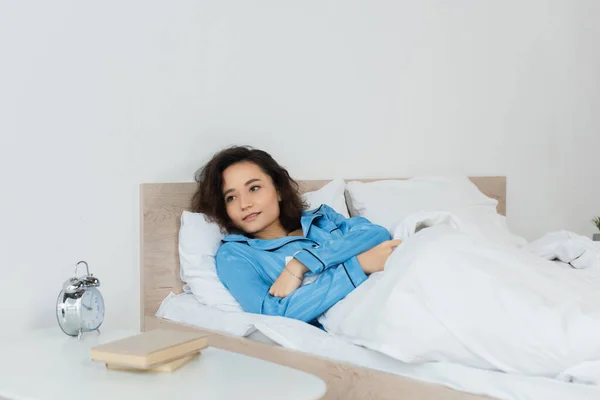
point(80, 306)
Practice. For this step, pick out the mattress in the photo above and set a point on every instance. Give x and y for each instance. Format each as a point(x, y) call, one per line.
point(303, 337)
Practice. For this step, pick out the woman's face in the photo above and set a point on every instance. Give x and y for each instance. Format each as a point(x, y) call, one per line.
point(251, 200)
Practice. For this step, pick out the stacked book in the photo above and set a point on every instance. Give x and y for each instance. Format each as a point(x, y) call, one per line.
point(157, 350)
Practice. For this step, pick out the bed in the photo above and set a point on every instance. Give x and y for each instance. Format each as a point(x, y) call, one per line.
point(161, 205)
point(520, 291)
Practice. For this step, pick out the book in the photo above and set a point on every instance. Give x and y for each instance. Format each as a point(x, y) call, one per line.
point(168, 366)
point(150, 349)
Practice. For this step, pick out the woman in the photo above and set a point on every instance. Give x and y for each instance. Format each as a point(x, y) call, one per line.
point(274, 243)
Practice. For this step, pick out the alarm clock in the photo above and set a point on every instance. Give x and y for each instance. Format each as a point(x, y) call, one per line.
point(80, 306)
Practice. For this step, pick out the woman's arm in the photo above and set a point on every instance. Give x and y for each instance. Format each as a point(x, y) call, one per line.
point(370, 261)
point(244, 278)
point(359, 235)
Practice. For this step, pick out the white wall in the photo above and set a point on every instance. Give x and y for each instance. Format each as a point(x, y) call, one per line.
point(98, 97)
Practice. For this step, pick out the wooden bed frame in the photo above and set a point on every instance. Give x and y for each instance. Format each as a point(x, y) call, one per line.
point(161, 206)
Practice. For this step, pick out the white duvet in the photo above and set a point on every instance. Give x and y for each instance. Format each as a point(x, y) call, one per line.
point(449, 294)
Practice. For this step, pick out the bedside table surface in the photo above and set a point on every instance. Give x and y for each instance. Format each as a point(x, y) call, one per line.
point(47, 364)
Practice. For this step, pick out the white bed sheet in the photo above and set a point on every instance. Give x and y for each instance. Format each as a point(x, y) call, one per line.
point(185, 308)
point(300, 336)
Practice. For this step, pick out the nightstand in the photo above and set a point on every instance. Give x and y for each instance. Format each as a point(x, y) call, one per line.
point(47, 364)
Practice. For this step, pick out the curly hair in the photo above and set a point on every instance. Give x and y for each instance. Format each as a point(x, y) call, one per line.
point(208, 198)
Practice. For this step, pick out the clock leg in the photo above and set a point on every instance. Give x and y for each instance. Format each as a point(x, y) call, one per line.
point(98, 330)
point(79, 334)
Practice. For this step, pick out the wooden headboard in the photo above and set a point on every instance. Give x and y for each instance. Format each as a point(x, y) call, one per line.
point(161, 206)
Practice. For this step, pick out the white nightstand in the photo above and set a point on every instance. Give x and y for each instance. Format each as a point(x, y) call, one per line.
point(47, 365)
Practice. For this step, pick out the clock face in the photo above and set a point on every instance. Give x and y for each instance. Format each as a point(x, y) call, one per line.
point(92, 309)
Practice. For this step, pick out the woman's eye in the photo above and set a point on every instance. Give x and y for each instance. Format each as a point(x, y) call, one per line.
point(228, 199)
point(254, 188)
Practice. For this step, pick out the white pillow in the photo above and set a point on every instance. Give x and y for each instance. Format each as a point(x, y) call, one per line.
point(387, 202)
point(331, 194)
point(199, 241)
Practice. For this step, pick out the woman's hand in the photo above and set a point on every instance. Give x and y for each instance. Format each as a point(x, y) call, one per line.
point(289, 280)
point(374, 259)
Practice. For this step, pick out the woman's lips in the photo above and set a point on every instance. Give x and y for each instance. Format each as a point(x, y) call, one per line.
point(251, 217)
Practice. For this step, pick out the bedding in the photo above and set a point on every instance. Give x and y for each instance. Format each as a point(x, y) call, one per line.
point(450, 294)
point(331, 194)
point(567, 247)
point(198, 243)
point(185, 308)
point(303, 337)
point(385, 202)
